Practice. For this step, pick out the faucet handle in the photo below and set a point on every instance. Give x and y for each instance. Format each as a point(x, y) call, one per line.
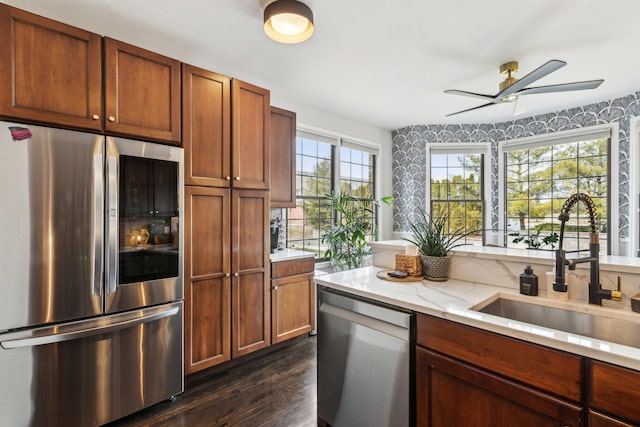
point(617, 294)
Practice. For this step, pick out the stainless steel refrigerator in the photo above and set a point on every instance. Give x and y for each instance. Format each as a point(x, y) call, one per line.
point(91, 289)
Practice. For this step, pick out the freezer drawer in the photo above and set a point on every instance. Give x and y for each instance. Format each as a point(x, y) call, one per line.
point(91, 372)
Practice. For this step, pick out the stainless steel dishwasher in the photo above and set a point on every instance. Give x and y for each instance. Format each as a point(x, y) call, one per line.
point(364, 361)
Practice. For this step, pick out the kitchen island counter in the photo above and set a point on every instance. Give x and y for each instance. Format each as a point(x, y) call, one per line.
point(454, 300)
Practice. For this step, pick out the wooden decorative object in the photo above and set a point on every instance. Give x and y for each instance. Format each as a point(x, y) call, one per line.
point(409, 263)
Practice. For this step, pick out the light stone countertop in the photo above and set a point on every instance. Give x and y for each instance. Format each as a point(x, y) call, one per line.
point(454, 300)
point(289, 254)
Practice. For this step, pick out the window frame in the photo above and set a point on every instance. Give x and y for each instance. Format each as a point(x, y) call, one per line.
point(632, 246)
point(483, 148)
point(338, 141)
point(609, 130)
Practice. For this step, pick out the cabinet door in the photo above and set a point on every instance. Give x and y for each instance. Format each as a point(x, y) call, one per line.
point(142, 93)
point(50, 72)
point(250, 135)
point(452, 393)
point(206, 127)
point(250, 267)
point(282, 158)
point(615, 390)
point(292, 307)
point(207, 279)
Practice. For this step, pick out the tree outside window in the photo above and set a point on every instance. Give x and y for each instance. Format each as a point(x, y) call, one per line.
point(540, 179)
point(457, 192)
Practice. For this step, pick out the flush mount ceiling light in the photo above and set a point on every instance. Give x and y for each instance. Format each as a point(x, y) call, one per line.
point(288, 21)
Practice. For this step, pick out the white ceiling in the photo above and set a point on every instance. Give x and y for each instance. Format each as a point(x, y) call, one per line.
point(383, 62)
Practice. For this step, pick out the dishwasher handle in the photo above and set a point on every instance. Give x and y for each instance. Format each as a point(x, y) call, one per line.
point(366, 321)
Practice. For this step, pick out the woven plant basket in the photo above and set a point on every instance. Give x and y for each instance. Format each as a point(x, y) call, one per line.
point(436, 268)
point(409, 263)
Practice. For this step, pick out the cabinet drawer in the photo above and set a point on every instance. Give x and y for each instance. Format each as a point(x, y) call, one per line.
point(615, 390)
point(289, 268)
point(547, 369)
point(600, 420)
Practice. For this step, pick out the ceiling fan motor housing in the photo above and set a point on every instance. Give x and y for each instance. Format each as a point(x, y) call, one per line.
point(506, 70)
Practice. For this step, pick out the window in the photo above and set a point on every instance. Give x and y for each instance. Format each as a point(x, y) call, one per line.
point(318, 157)
point(457, 187)
point(357, 172)
point(539, 177)
point(314, 179)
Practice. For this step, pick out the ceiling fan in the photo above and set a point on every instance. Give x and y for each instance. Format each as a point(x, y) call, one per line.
point(512, 89)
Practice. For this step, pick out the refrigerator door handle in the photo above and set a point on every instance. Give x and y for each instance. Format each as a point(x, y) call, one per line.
point(98, 221)
point(51, 337)
point(112, 217)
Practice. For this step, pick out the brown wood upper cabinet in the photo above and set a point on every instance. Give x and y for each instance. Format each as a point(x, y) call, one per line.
point(282, 158)
point(50, 72)
point(142, 93)
point(225, 131)
point(250, 109)
point(206, 127)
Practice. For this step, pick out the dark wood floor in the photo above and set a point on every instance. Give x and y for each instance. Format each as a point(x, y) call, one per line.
point(276, 389)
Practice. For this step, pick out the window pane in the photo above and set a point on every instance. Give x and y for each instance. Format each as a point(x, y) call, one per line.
point(540, 180)
point(306, 222)
point(456, 191)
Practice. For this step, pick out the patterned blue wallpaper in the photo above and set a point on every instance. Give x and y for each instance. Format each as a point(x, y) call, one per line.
point(409, 151)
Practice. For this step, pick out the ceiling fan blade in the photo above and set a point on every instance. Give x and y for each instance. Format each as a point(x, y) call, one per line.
point(471, 109)
point(471, 94)
point(564, 87)
point(536, 74)
point(520, 106)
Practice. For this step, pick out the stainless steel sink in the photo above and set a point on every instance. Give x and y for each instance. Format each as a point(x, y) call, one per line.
point(599, 326)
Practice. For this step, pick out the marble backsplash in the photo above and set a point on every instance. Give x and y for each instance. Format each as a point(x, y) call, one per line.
point(502, 267)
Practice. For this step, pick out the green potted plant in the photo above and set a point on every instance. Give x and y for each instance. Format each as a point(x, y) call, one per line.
point(535, 239)
point(435, 242)
point(347, 237)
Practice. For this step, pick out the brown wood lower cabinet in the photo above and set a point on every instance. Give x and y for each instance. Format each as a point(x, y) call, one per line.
point(471, 377)
point(250, 308)
point(227, 310)
point(453, 393)
point(601, 420)
point(207, 285)
point(292, 299)
point(615, 391)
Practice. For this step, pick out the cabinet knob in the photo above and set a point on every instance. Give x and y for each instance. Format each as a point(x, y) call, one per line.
point(236, 274)
point(275, 288)
point(95, 117)
point(237, 178)
point(112, 119)
point(228, 178)
point(227, 275)
point(150, 212)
